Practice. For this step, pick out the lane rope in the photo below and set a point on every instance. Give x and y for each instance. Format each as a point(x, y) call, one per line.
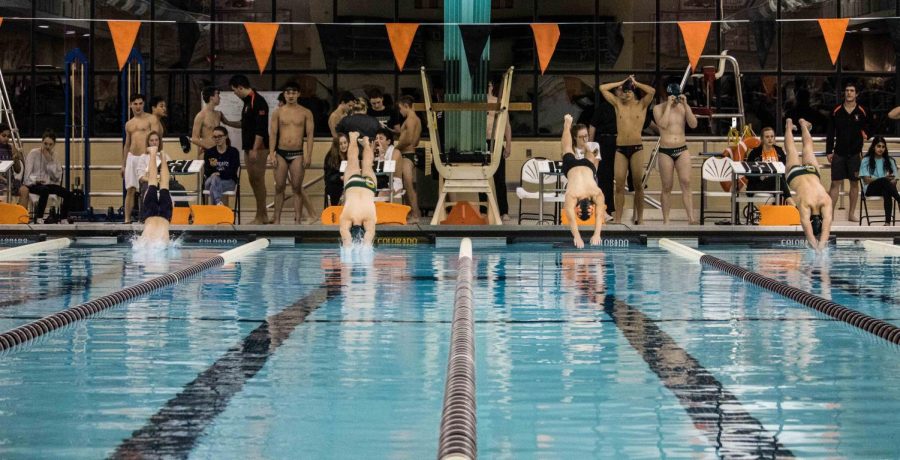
point(37, 328)
point(458, 437)
point(874, 326)
point(33, 248)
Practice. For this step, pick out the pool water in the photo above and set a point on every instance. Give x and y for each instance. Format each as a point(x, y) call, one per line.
point(609, 353)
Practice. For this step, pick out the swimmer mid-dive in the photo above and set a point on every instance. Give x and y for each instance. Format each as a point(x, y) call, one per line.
point(156, 207)
point(582, 190)
point(812, 200)
point(357, 222)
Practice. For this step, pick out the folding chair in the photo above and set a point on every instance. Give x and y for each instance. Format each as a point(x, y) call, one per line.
point(716, 170)
point(530, 175)
point(864, 208)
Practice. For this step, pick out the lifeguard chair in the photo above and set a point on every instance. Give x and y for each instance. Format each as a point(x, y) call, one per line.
point(458, 177)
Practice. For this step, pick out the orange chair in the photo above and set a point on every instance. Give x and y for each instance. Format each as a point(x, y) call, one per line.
point(778, 215)
point(464, 214)
point(332, 215)
point(205, 214)
point(12, 214)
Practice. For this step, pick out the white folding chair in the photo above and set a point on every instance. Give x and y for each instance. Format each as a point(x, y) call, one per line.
point(531, 175)
point(715, 169)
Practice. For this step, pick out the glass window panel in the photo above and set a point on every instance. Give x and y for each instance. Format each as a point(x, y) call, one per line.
point(16, 52)
point(107, 116)
point(175, 89)
point(879, 95)
point(20, 93)
point(522, 90)
point(184, 45)
point(562, 94)
point(808, 97)
point(760, 100)
point(626, 46)
point(512, 46)
point(53, 40)
point(754, 44)
point(868, 47)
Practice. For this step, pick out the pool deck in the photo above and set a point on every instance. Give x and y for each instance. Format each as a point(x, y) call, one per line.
point(422, 233)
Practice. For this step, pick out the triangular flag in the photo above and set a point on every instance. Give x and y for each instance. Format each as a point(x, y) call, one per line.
point(401, 37)
point(694, 35)
point(262, 38)
point(474, 38)
point(546, 36)
point(834, 30)
point(123, 35)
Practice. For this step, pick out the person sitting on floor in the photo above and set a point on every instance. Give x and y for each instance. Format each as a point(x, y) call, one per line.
point(156, 207)
point(812, 200)
point(357, 221)
point(582, 189)
point(878, 172)
point(220, 166)
point(42, 177)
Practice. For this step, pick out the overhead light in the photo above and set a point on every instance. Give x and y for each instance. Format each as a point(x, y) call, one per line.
point(86, 35)
point(864, 29)
point(70, 32)
point(44, 26)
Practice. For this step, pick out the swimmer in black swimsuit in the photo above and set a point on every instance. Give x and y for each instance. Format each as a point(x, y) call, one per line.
point(582, 191)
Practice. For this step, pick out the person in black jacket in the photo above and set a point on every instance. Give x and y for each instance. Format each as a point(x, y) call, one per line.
point(769, 152)
point(847, 132)
point(254, 141)
point(220, 166)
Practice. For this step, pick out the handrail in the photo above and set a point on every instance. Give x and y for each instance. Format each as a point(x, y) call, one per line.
point(458, 436)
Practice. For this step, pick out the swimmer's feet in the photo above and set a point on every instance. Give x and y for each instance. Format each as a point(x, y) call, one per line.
point(260, 220)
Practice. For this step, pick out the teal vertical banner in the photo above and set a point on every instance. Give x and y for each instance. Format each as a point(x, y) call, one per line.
point(464, 131)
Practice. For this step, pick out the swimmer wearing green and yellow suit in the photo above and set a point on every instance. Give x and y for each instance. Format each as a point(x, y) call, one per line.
point(581, 188)
point(811, 198)
point(357, 222)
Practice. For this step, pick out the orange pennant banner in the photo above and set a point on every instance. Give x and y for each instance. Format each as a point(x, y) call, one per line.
point(834, 30)
point(123, 34)
point(546, 36)
point(694, 35)
point(262, 38)
point(401, 36)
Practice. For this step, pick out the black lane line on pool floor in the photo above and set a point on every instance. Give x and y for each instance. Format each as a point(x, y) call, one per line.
point(714, 410)
point(173, 431)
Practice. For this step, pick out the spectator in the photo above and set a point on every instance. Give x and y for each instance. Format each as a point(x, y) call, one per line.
point(768, 152)
point(334, 180)
point(342, 110)
point(847, 132)
point(42, 177)
point(220, 166)
point(878, 172)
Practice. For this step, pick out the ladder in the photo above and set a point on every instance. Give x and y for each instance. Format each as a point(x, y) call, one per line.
point(7, 117)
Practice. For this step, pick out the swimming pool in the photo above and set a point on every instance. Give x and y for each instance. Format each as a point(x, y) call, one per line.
point(619, 352)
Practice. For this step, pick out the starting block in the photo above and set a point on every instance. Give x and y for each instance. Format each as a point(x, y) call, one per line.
point(385, 214)
point(210, 215)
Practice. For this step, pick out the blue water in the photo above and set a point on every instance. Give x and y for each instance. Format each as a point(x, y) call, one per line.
point(608, 353)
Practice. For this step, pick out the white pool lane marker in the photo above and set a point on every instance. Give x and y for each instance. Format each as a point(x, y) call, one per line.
point(34, 329)
point(875, 326)
point(884, 249)
point(34, 248)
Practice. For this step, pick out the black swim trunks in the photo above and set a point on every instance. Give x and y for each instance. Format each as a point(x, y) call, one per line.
point(629, 150)
point(569, 161)
point(157, 203)
point(289, 155)
point(673, 153)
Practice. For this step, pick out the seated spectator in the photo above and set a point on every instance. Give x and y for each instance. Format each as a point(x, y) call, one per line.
point(220, 166)
point(8, 151)
point(768, 152)
point(42, 177)
point(878, 172)
point(334, 180)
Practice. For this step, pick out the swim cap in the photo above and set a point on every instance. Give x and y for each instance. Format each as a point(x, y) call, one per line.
point(357, 233)
point(673, 89)
point(816, 222)
point(584, 209)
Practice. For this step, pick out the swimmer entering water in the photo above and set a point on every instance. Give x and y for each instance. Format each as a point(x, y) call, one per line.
point(582, 189)
point(357, 222)
point(156, 208)
point(812, 200)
